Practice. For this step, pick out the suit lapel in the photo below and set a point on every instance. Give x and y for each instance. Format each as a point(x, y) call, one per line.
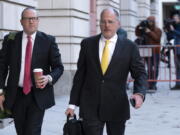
point(117, 51)
point(18, 43)
point(36, 48)
point(95, 49)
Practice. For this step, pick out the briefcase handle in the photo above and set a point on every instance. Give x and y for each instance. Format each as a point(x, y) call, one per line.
point(73, 126)
point(70, 118)
point(73, 118)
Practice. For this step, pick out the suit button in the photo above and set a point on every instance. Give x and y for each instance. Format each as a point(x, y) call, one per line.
point(102, 81)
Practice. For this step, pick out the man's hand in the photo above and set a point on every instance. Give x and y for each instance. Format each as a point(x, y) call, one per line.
point(2, 98)
point(70, 112)
point(42, 82)
point(138, 100)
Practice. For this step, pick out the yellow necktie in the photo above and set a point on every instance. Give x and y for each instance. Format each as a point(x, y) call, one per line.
point(105, 57)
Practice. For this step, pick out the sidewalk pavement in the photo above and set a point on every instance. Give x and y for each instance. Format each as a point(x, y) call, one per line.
point(159, 115)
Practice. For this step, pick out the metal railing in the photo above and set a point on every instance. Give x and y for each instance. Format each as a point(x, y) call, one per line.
point(164, 68)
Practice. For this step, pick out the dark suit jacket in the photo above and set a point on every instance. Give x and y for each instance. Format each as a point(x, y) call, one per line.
point(45, 55)
point(101, 96)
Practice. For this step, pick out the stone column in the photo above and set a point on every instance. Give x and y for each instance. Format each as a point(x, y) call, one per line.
point(143, 9)
point(10, 15)
point(154, 10)
point(128, 16)
point(138, 10)
point(93, 17)
point(68, 21)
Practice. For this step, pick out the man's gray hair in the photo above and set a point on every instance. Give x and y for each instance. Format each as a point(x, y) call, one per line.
point(28, 8)
point(115, 12)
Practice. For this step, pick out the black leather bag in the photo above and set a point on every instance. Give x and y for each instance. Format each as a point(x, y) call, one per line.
point(73, 126)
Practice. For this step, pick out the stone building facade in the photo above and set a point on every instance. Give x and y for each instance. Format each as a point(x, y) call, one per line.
point(72, 20)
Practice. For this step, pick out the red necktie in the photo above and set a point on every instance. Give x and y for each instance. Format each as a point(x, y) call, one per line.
point(27, 69)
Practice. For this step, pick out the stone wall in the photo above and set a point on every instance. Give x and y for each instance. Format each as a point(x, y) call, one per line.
point(72, 20)
point(68, 21)
point(10, 14)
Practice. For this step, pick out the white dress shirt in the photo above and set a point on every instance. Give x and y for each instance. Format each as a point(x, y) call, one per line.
point(111, 46)
point(23, 53)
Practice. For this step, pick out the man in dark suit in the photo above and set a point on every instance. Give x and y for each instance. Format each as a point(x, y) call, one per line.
point(99, 87)
point(20, 54)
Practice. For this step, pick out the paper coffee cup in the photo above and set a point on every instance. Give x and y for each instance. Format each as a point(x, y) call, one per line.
point(38, 72)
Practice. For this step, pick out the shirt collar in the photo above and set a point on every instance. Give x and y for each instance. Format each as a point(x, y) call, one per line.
point(113, 39)
point(32, 36)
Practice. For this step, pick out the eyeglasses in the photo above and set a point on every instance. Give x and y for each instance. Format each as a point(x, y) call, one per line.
point(107, 22)
point(30, 18)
